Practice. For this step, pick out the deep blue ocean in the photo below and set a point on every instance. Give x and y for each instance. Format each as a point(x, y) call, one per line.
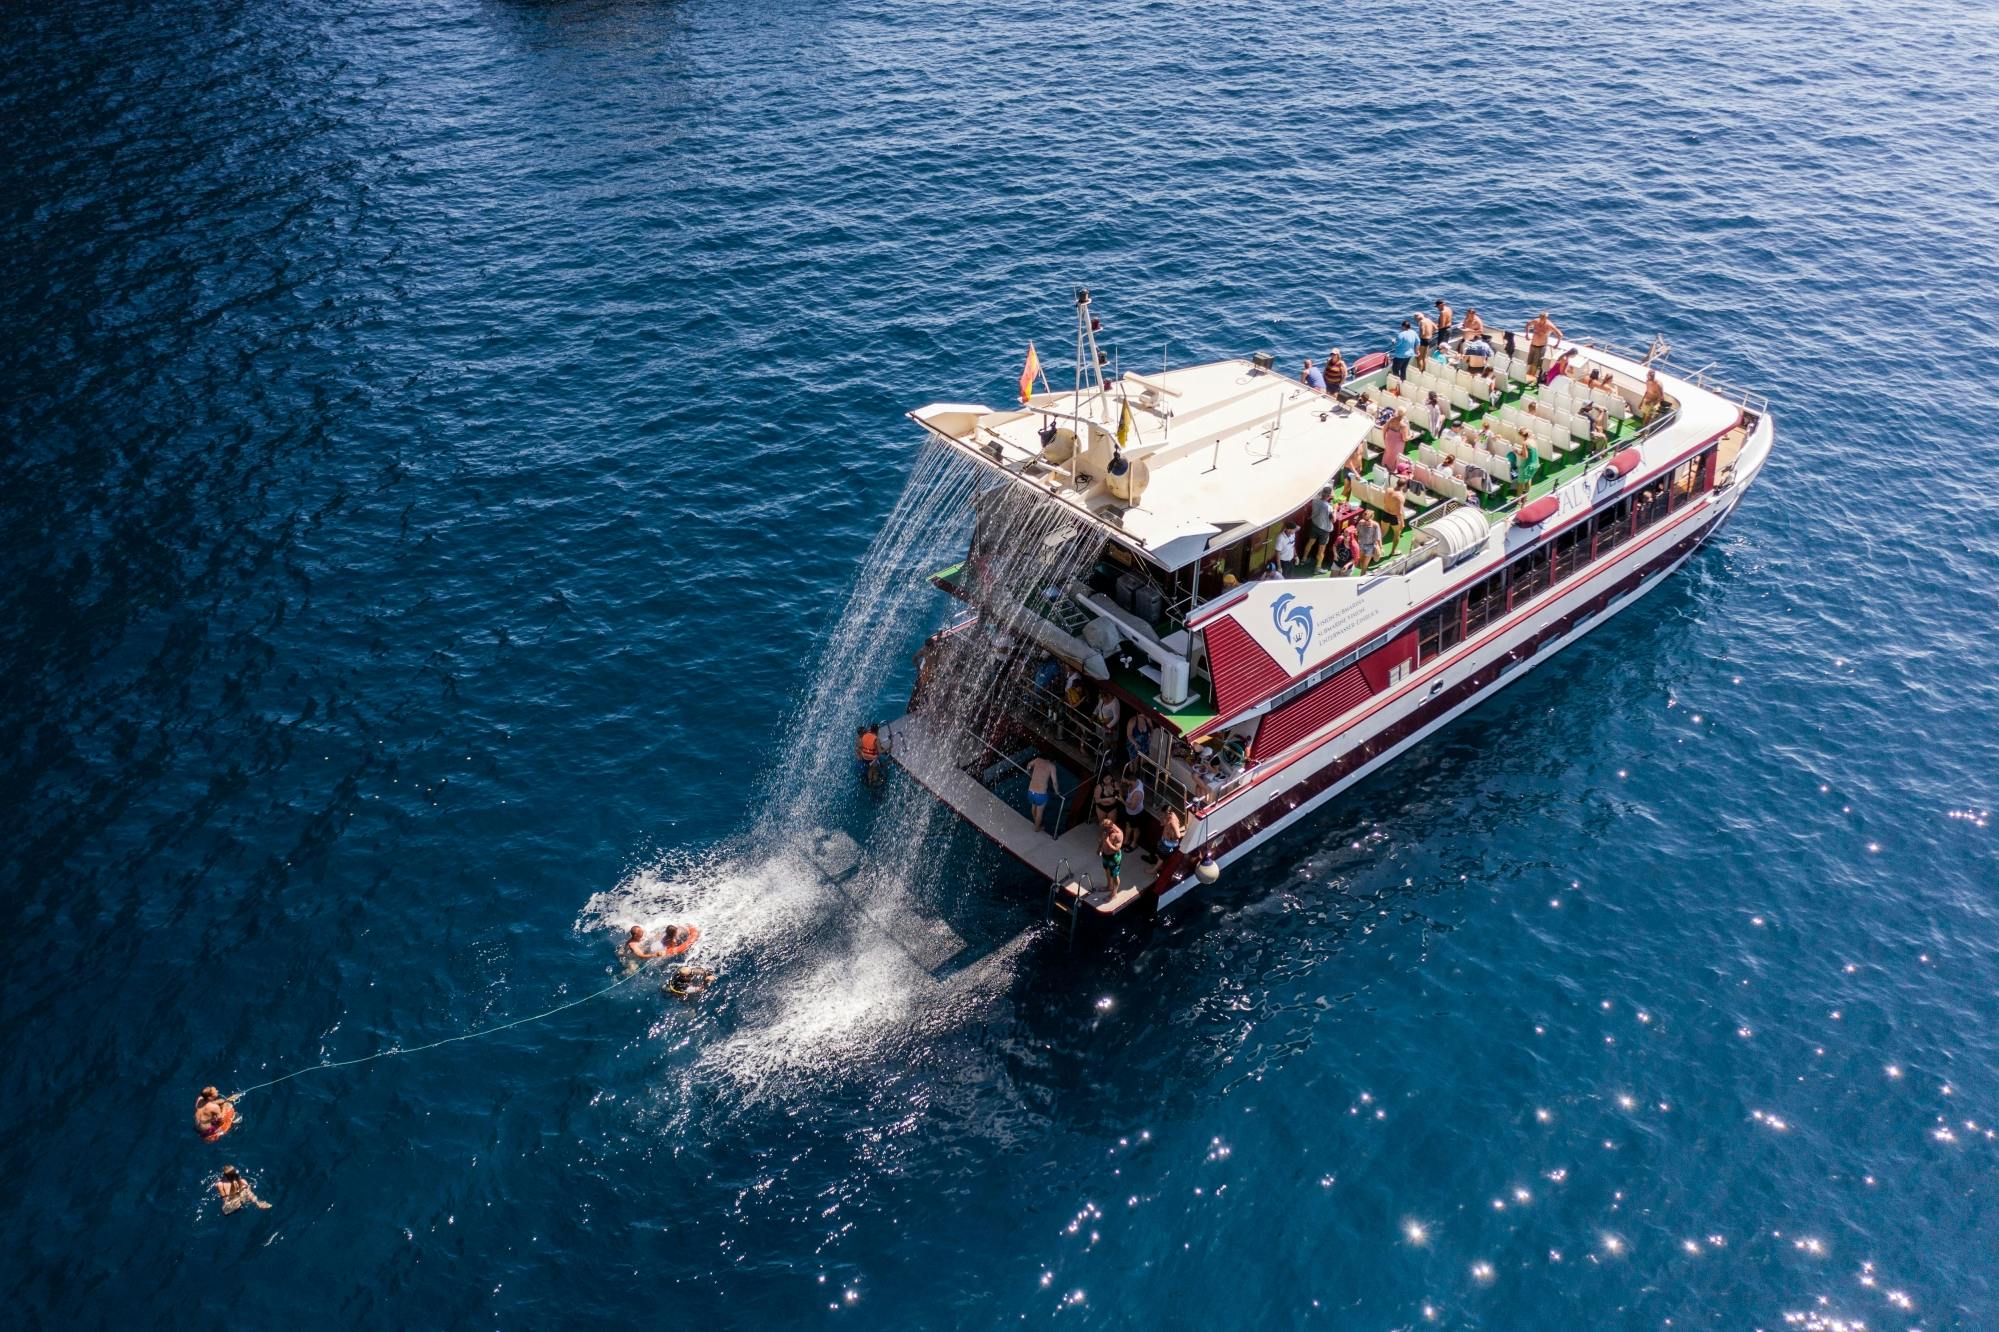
point(440, 440)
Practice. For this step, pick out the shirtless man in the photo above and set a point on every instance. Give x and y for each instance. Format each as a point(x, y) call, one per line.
point(1539, 330)
point(1110, 849)
point(1652, 399)
point(1426, 333)
point(688, 982)
point(634, 949)
point(214, 1113)
point(1444, 321)
point(235, 1192)
point(1040, 786)
point(1473, 324)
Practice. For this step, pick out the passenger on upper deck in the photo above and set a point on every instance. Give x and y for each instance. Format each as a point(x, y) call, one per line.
point(1367, 540)
point(1525, 463)
point(1311, 377)
point(1404, 348)
point(1438, 414)
point(1444, 321)
point(1394, 438)
point(1320, 527)
point(1474, 326)
point(1558, 369)
point(1350, 471)
point(1598, 417)
point(1478, 352)
point(1650, 401)
point(1426, 333)
point(1336, 371)
point(1539, 330)
point(1345, 547)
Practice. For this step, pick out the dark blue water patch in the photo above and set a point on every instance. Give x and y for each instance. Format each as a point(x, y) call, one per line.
point(437, 440)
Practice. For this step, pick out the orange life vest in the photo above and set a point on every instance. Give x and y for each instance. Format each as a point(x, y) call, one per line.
point(869, 747)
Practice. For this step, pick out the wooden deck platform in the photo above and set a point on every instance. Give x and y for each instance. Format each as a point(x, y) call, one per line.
point(1070, 859)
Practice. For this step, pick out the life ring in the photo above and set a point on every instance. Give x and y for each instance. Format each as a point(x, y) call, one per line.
point(228, 1122)
point(686, 942)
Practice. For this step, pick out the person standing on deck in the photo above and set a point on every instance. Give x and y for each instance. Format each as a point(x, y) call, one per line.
point(1538, 332)
point(1405, 347)
point(1652, 399)
point(1394, 438)
point(1107, 712)
point(1336, 371)
point(1172, 827)
point(1367, 538)
point(1040, 786)
point(1287, 548)
point(1426, 333)
point(1474, 326)
point(1137, 737)
point(1110, 849)
point(1524, 463)
point(1321, 539)
point(1444, 321)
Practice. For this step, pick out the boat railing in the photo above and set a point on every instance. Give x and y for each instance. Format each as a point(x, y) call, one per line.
point(1700, 378)
point(1085, 735)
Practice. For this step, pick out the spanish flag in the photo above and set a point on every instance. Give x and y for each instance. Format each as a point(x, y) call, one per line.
point(1124, 426)
point(1029, 374)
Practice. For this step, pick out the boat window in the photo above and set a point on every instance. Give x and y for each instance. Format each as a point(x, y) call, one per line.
point(1612, 527)
point(1571, 551)
point(1441, 630)
point(1651, 503)
point(1485, 603)
point(1528, 576)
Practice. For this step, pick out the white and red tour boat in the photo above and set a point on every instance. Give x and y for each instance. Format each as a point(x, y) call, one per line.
point(1129, 616)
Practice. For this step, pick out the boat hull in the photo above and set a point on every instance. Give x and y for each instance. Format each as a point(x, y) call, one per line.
point(1434, 697)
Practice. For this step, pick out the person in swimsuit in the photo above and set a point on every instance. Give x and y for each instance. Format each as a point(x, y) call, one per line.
point(1444, 321)
point(688, 982)
point(1040, 786)
point(1137, 737)
point(214, 1113)
point(635, 952)
point(1652, 399)
point(1110, 849)
point(1473, 324)
point(1426, 333)
point(1172, 827)
point(1367, 540)
point(236, 1193)
point(1394, 438)
point(1538, 332)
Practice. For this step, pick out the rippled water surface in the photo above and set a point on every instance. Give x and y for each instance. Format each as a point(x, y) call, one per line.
point(439, 442)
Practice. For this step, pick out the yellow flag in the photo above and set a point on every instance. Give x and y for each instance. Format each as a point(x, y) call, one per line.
point(1031, 373)
point(1124, 426)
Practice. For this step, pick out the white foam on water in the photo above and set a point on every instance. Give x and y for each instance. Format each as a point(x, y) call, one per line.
point(832, 992)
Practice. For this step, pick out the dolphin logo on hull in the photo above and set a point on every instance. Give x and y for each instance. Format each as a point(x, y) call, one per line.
point(1294, 620)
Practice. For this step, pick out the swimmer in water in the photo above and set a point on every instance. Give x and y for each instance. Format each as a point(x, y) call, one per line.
point(214, 1113)
point(688, 982)
point(634, 949)
point(235, 1192)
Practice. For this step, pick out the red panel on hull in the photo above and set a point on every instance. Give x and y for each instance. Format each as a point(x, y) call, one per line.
point(1377, 664)
point(1287, 725)
point(1243, 671)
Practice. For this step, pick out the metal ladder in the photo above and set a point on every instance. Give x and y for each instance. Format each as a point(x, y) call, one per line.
point(1065, 910)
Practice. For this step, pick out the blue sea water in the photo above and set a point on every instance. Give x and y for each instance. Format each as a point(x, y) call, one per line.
point(439, 443)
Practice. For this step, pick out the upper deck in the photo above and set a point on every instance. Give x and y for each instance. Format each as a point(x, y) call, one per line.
point(1214, 452)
